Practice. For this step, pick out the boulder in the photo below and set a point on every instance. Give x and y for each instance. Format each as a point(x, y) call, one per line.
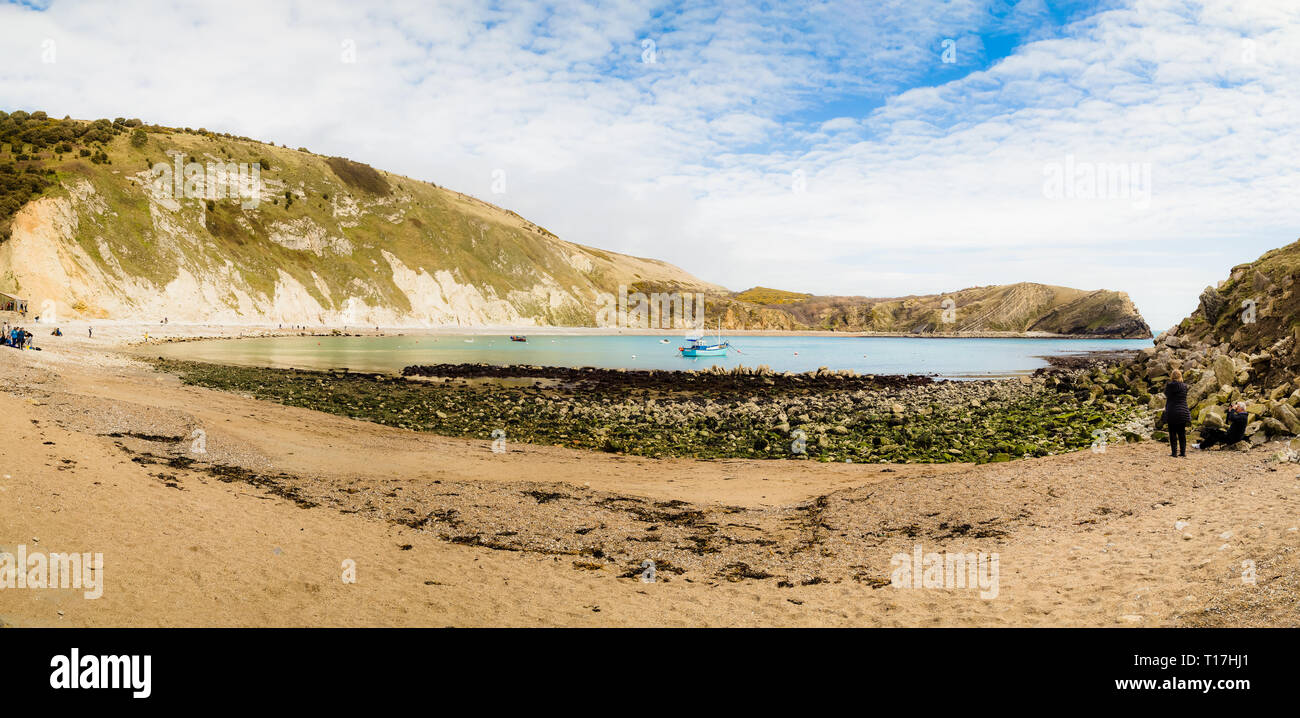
point(1201, 388)
point(1285, 414)
point(1212, 418)
point(1272, 426)
point(1211, 303)
point(1225, 370)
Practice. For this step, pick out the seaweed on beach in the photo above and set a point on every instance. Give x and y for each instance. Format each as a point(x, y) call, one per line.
point(819, 416)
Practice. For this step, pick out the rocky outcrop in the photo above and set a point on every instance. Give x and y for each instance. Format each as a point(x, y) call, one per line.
point(1211, 303)
point(1239, 345)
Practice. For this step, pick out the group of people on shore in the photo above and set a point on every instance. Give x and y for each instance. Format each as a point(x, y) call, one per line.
point(16, 337)
point(1179, 417)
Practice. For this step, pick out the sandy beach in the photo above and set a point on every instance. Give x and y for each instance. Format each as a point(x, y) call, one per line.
point(260, 526)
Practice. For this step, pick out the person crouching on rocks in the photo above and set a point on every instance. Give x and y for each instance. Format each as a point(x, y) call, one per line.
point(1236, 429)
point(1176, 413)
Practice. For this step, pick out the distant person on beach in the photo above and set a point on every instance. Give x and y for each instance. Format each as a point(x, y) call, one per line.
point(1236, 429)
point(1176, 413)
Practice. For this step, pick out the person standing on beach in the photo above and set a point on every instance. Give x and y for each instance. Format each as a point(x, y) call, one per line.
point(1176, 413)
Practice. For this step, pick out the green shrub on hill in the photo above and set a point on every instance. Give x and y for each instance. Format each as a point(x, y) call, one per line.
point(34, 136)
point(360, 176)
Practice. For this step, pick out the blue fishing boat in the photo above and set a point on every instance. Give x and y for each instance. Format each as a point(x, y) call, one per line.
point(700, 347)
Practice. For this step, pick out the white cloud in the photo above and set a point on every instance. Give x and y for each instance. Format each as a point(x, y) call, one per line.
point(691, 157)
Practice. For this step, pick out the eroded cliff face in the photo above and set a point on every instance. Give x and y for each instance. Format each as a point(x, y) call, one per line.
point(318, 248)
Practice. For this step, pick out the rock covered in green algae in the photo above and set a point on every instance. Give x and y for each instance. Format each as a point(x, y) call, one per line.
point(823, 416)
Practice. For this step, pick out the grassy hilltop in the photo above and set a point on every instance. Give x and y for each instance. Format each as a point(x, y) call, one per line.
point(1011, 308)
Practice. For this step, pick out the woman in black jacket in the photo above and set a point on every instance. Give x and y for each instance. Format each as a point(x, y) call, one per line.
point(1177, 414)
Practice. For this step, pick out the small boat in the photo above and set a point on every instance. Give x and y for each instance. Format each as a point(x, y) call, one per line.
point(663, 341)
point(701, 347)
point(518, 339)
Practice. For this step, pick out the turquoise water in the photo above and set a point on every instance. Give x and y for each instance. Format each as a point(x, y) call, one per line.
point(950, 358)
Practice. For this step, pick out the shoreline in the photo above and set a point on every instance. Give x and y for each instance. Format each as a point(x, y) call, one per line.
point(103, 457)
point(197, 331)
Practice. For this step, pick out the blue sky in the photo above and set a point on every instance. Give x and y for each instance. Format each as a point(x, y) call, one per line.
point(823, 147)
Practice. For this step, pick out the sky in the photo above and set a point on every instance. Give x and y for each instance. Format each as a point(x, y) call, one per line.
point(875, 148)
